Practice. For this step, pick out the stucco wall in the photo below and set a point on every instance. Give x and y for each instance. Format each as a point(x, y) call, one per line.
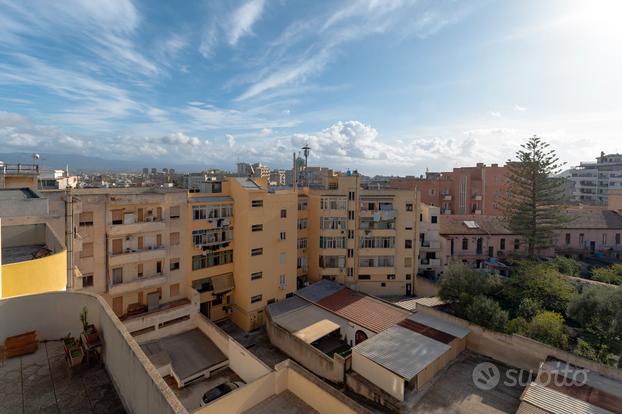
point(35, 276)
point(381, 377)
point(333, 369)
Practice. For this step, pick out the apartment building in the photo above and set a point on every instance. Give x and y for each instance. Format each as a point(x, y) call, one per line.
point(364, 239)
point(242, 243)
point(592, 180)
point(464, 190)
point(430, 250)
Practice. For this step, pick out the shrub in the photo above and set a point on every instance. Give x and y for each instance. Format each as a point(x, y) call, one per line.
point(517, 326)
point(585, 350)
point(460, 284)
point(548, 327)
point(528, 308)
point(486, 312)
point(611, 274)
point(566, 265)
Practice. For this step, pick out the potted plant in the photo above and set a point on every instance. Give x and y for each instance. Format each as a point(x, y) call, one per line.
point(90, 332)
point(73, 350)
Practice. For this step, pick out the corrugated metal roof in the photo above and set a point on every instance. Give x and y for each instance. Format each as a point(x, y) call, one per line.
point(303, 317)
point(402, 351)
point(363, 310)
point(440, 324)
point(319, 290)
point(556, 402)
point(286, 305)
point(216, 199)
point(593, 379)
point(427, 331)
point(526, 408)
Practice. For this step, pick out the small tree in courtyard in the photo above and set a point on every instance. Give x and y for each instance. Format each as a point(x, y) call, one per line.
point(532, 208)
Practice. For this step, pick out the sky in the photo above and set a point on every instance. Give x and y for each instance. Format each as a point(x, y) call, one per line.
point(390, 87)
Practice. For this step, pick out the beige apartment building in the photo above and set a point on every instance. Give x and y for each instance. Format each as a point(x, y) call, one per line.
point(364, 239)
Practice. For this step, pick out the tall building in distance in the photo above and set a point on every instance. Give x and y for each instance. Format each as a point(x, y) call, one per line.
point(465, 190)
point(592, 180)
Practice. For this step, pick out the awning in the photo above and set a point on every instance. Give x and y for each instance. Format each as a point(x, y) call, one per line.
point(222, 283)
point(316, 331)
point(76, 272)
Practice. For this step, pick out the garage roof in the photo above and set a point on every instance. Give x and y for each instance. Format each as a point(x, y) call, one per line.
point(440, 324)
point(401, 351)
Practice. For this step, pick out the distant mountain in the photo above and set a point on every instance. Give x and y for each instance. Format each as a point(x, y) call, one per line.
point(83, 163)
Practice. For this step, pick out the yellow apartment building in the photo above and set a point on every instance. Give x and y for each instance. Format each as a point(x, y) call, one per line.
point(364, 239)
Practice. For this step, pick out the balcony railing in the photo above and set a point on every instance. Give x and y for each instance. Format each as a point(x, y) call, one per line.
point(136, 284)
point(19, 168)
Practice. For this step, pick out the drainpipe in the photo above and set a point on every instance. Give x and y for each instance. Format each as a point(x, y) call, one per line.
point(69, 235)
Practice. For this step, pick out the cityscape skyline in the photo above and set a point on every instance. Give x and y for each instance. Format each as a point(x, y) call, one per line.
point(256, 80)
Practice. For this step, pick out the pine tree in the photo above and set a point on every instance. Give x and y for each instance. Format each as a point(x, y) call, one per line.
point(533, 205)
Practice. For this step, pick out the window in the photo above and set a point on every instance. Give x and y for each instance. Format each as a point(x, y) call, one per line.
point(117, 275)
point(408, 276)
point(139, 270)
point(87, 250)
point(87, 280)
point(409, 207)
point(502, 244)
point(350, 252)
point(433, 219)
point(256, 275)
point(174, 212)
point(256, 298)
point(270, 301)
point(604, 238)
point(86, 218)
point(282, 281)
point(351, 234)
point(174, 238)
point(364, 277)
point(303, 204)
point(408, 262)
point(257, 203)
point(567, 238)
point(391, 276)
point(376, 261)
point(420, 217)
point(581, 238)
point(465, 244)
point(217, 299)
point(331, 262)
point(283, 213)
point(332, 242)
point(204, 237)
point(301, 263)
point(516, 244)
point(257, 252)
point(350, 271)
point(332, 223)
point(333, 203)
point(282, 235)
point(201, 261)
point(350, 214)
point(408, 244)
point(158, 267)
point(302, 243)
point(302, 224)
point(174, 265)
point(211, 212)
point(117, 216)
point(282, 258)
point(174, 290)
point(383, 284)
point(617, 238)
point(257, 227)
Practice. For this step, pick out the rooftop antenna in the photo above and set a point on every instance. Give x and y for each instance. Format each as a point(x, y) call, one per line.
point(305, 151)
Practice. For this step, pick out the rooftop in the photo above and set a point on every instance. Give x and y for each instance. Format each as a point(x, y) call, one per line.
point(319, 290)
point(593, 218)
point(23, 253)
point(473, 224)
point(41, 382)
point(17, 194)
point(285, 402)
point(402, 351)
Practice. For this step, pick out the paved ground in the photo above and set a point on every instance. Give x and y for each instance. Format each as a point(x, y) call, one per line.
point(43, 383)
point(190, 396)
point(285, 402)
point(257, 342)
point(455, 392)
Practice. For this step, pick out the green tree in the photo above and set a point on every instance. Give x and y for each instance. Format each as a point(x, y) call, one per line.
point(585, 350)
point(599, 311)
point(566, 265)
point(611, 274)
point(532, 208)
point(548, 327)
point(528, 308)
point(517, 326)
point(460, 284)
point(486, 312)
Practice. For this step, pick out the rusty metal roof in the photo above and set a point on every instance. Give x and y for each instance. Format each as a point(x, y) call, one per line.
point(427, 331)
point(440, 324)
point(363, 310)
point(319, 290)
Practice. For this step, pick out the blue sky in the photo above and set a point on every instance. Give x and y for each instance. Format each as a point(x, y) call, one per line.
point(388, 87)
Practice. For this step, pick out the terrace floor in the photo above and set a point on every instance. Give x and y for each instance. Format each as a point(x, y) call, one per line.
point(43, 383)
point(256, 342)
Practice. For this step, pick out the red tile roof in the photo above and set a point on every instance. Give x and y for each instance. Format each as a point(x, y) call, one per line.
point(363, 310)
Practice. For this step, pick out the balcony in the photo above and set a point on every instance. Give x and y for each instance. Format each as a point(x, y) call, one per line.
point(139, 227)
point(431, 244)
point(133, 256)
point(477, 197)
point(164, 313)
point(430, 262)
point(137, 284)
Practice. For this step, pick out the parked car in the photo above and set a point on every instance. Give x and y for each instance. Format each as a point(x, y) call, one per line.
point(219, 391)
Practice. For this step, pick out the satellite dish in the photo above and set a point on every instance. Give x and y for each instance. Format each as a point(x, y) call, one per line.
point(35, 156)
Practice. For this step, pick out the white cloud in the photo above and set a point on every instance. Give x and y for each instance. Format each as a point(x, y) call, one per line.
point(243, 19)
point(179, 138)
point(495, 114)
point(519, 108)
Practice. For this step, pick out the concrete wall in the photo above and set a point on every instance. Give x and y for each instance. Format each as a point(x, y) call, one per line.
point(425, 287)
point(242, 398)
point(380, 376)
point(515, 350)
point(333, 369)
point(55, 314)
point(35, 276)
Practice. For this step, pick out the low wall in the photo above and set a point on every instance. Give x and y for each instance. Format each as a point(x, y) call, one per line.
point(515, 350)
point(332, 369)
point(242, 398)
point(46, 274)
point(55, 314)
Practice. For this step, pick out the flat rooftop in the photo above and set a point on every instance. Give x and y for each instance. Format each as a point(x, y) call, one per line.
point(24, 253)
point(17, 194)
point(189, 353)
point(42, 382)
